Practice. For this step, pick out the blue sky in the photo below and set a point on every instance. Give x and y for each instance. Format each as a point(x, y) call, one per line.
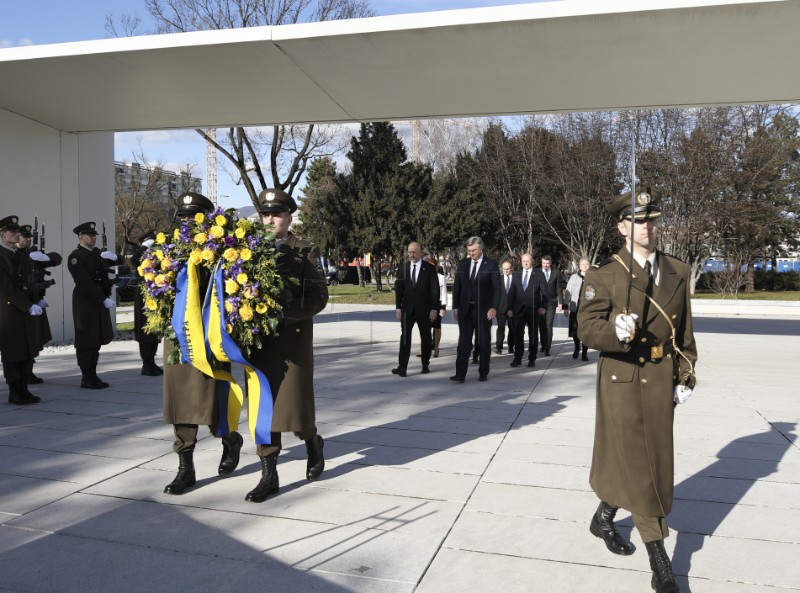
point(59, 21)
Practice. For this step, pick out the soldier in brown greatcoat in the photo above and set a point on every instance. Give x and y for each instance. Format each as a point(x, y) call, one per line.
point(191, 397)
point(91, 303)
point(642, 373)
point(19, 334)
point(287, 358)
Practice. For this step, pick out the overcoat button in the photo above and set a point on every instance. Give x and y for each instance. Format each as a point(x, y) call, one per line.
point(641, 359)
point(644, 380)
point(613, 377)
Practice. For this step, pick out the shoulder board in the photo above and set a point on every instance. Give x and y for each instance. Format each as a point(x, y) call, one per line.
point(605, 262)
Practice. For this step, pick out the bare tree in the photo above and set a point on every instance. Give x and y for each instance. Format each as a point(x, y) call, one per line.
point(260, 158)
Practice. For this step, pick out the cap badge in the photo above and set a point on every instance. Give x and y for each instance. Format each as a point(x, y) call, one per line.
point(14, 220)
point(643, 199)
point(187, 199)
point(91, 225)
point(269, 196)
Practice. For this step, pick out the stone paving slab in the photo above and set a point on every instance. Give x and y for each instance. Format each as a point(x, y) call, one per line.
point(430, 486)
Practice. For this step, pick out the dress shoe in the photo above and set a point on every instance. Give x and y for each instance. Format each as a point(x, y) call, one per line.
point(474, 360)
point(398, 371)
point(531, 363)
point(151, 371)
point(34, 380)
point(436, 353)
point(547, 353)
point(92, 383)
point(425, 369)
point(457, 378)
point(483, 377)
point(231, 449)
point(269, 480)
point(515, 363)
point(511, 351)
point(316, 461)
point(602, 526)
point(185, 478)
point(498, 350)
point(663, 580)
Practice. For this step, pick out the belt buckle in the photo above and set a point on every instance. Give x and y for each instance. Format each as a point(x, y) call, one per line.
point(657, 352)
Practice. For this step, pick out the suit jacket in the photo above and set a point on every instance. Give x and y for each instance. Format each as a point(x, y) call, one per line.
point(503, 306)
point(420, 299)
point(529, 299)
point(483, 292)
point(554, 289)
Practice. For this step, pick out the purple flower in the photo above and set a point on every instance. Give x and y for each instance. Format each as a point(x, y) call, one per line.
point(230, 241)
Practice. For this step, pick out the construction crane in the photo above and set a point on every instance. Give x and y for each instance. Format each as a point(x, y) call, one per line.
point(211, 166)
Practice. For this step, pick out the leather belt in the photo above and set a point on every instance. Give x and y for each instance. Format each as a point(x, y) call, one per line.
point(642, 354)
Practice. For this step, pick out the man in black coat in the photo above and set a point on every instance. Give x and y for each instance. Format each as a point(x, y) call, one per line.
point(148, 343)
point(416, 301)
point(552, 301)
point(476, 296)
point(19, 336)
point(525, 306)
point(504, 321)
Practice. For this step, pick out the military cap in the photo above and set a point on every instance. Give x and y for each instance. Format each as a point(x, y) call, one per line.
point(191, 203)
point(275, 201)
point(86, 228)
point(26, 230)
point(151, 234)
point(9, 223)
point(646, 205)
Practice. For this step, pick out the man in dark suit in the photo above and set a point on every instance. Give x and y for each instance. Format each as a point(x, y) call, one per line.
point(504, 321)
point(476, 296)
point(524, 307)
point(417, 301)
point(552, 300)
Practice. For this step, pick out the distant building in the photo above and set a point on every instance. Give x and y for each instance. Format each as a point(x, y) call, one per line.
point(134, 177)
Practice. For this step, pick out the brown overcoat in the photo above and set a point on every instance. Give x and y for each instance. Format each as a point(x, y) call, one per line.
point(632, 462)
point(287, 358)
point(92, 286)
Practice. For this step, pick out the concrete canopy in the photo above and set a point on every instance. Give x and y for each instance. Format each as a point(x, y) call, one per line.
point(575, 55)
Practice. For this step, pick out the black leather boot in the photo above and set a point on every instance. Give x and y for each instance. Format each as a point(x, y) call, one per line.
point(577, 350)
point(16, 396)
point(316, 462)
point(98, 380)
point(269, 479)
point(602, 526)
point(585, 353)
point(23, 388)
point(663, 580)
point(231, 447)
point(151, 369)
point(185, 478)
point(34, 380)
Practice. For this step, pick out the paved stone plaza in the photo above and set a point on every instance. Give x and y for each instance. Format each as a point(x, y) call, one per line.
point(430, 486)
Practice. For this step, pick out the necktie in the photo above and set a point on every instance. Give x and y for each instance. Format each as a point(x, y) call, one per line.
point(508, 283)
point(547, 275)
point(525, 281)
point(414, 274)
point(649, 269)
point(474, 269)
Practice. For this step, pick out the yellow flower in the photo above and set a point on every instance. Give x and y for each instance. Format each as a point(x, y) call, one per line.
point(199, 218)
point(220, 220)
point(149, 276)
point(161, 238)
point(241, 278)
point(243, 223)
point(245, 312)
point(196, 256)
point(228, 306)
point(216, 232)
point(231, 287)
point(200, 237)
point(209, 255)
point(228, 327)
point(230, 254)
point(176, 234)
point(245, 254)
point(159, 255)
point(240, 233)
point(161, 280)
point(151, 304)
point(261, 308)
point(250, 292)
point(165, 263)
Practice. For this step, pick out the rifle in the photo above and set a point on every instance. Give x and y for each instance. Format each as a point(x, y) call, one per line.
point(35, 242)
point(105, 238)
point(109, 275)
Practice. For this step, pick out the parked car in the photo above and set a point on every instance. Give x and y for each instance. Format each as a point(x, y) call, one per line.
point(332, 278)
point(126, 288)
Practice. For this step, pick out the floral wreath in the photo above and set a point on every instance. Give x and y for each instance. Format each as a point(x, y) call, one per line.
point(245, 253)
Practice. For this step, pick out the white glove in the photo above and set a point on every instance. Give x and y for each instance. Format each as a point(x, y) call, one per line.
point(39, 256)
point(681, 394)
point(108, 303)
point(109, 255)
point(148, 243)
point(35, 310)
point(625, 325)
point(43, 304)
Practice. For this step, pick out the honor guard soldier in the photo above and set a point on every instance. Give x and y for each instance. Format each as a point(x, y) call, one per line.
point(19, 339)
point(635, 309)
point(91, 303)
point(287, 357)
point(190, 397)
point(148, 343)
point(37, 263)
